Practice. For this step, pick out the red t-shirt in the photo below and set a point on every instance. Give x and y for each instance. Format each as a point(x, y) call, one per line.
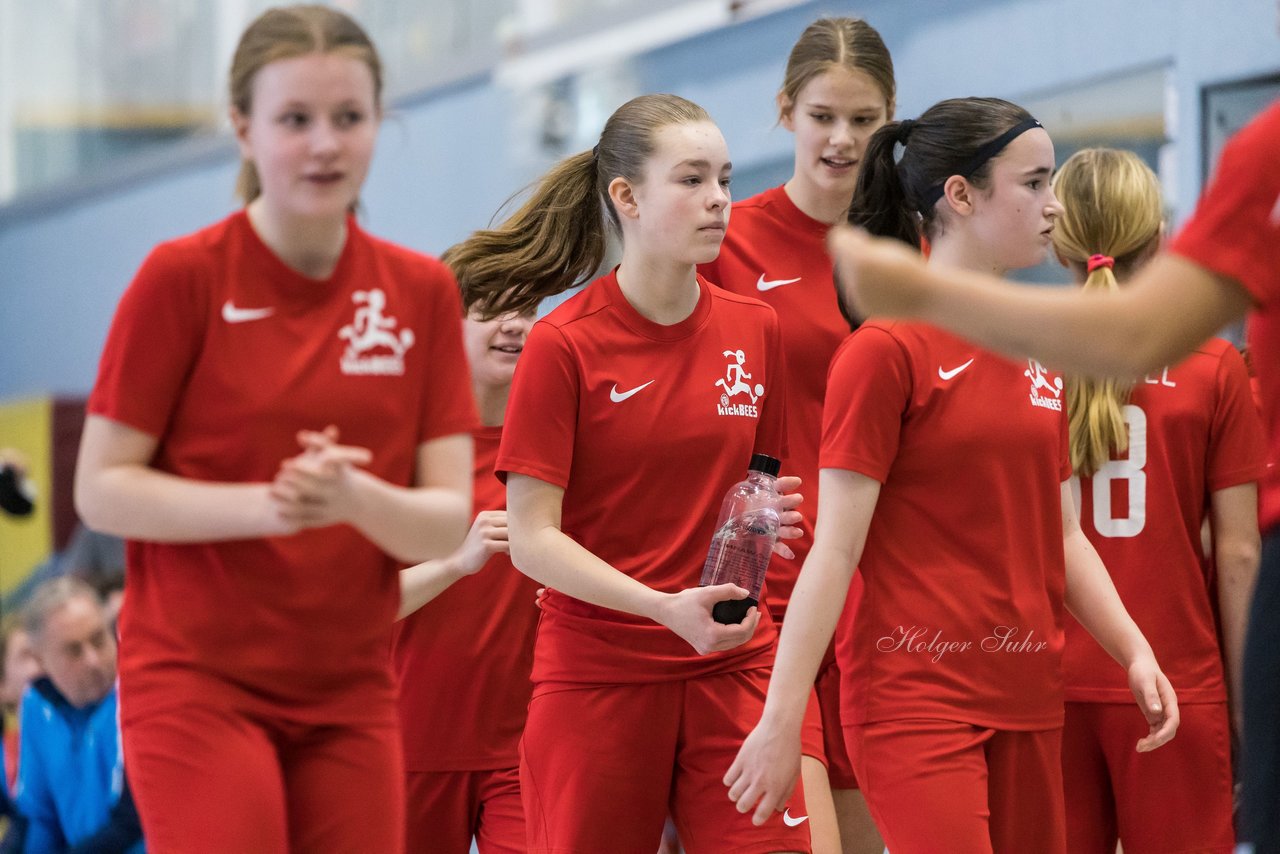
point(463, 659)
point(223, 353)
point(777, 253)
point(961, 616)
point(1193, 430)
point(1236, 233)
point(645, 427)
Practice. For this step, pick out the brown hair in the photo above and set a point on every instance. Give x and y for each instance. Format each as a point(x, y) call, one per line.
point(557, 237)
point(890, 198)
point(829, 43)
point(285, 33)
point(1111, 206)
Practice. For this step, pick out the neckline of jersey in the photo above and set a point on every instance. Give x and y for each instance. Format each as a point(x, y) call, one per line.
point(642, 325)
point(292, 284)
point(792, 214)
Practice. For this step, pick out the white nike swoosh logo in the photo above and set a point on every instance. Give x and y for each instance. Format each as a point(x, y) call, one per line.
point(1275, 213)
point(231, 314)
point(763, 284)
point(793, 822)
point(619, 396)
point(946, 375)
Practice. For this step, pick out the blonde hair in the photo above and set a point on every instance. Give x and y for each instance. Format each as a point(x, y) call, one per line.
point(558, 236)
point(1111, 206)
point(285, 33)
point(828, 43)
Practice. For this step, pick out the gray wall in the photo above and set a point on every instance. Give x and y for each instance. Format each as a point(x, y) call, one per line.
point(447, 160)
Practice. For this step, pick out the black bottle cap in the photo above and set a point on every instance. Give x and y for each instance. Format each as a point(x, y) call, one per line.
point(765, 464)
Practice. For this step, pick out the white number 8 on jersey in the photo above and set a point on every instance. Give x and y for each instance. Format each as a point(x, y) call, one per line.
point(1129, 469)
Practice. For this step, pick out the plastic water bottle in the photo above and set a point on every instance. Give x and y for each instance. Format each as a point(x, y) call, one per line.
point(744, 538)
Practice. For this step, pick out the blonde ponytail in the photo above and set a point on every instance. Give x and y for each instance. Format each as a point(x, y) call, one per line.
point(1111, 214)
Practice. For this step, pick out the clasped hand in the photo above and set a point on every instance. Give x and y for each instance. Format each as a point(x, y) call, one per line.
point(320, 486)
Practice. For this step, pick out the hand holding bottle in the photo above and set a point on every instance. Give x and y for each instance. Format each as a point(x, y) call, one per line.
point(688, 613)
point(744, 538)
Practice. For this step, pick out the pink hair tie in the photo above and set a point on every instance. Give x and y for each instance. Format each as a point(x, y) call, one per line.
point(1096, 261)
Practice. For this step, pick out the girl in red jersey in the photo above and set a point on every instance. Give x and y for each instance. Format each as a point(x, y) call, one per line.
point(1224, 261)
point(838, 89)
point(1183, 438)
point(473, 644)
point(636, 405)
point(257, 698)
point(945, 482)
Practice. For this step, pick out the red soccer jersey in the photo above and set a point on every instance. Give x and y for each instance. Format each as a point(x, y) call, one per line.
point(1236, 232)
point(1193, 430)
point(224, 353)
point(961, 616)
point(472, 644)
point(645, 427)
point(777, 253)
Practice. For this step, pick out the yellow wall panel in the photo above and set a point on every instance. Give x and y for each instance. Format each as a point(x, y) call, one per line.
point(27, 541)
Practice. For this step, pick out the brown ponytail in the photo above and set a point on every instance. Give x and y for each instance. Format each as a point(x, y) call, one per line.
point(557, 238)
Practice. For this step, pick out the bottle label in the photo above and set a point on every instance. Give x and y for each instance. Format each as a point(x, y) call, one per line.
point(740, 552)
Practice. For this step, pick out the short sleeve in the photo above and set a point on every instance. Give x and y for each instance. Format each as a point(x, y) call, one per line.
point(540, 429)
point(1237, 450)
point(449, 405)
point(152, 344)
point(1235, 231)
point(868, 391)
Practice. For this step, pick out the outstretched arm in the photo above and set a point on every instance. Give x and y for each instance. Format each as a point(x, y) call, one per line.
point(1171, 306)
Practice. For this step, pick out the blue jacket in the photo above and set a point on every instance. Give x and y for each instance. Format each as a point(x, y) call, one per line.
point(71, 787)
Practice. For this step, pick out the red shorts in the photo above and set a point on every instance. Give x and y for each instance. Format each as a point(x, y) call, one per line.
point(1176, 798)
point(935, 785)
point(839, 768)
point(217, 778)
point(445, 810)
point(601, 766)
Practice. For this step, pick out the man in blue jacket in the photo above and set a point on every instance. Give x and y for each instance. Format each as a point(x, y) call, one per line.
point(71, 788)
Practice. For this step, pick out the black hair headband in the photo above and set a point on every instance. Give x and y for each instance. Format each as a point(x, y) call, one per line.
point(984, 153)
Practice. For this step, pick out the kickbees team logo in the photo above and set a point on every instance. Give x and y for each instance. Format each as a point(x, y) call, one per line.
point(735, 383)
point(1040, 381)
point(373, 345)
